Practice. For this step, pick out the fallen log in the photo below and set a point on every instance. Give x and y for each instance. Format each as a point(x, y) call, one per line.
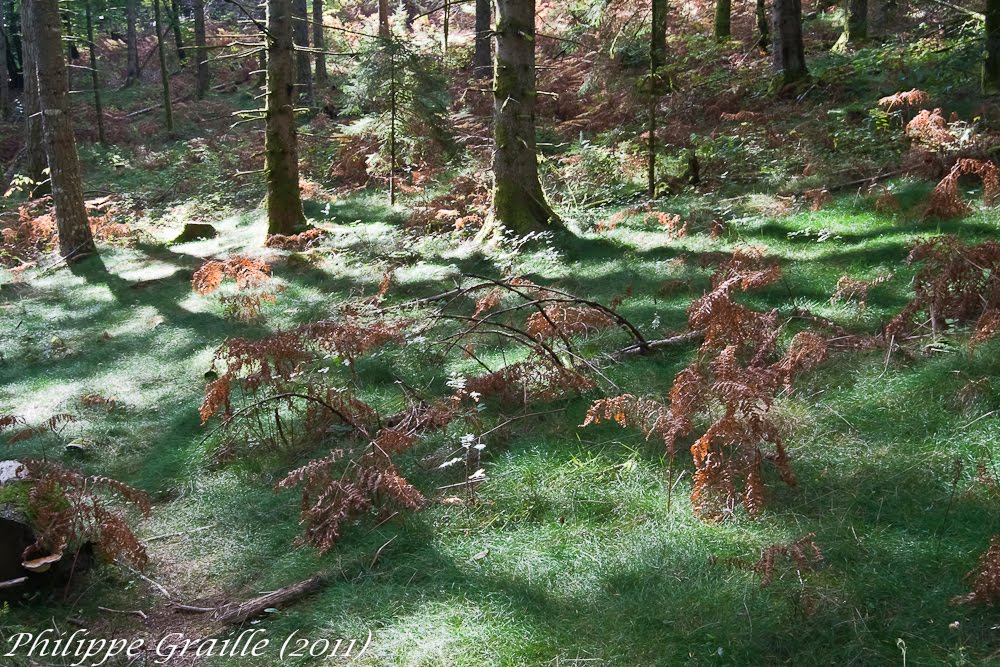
point(239, 612)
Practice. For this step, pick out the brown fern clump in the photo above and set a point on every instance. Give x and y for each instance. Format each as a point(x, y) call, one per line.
point(568, 320)
point(852, 289)
point(70, 509)
point(252, 278)
point(670, 223)
point(930, 130)
point(956, 282)
point(526, 382)
point(295, 242)
point(909, 98)
point(733, 383)
point(985, 577)
point(947, 202)
point(804, 552)
point(818, 198)
point(334, 493)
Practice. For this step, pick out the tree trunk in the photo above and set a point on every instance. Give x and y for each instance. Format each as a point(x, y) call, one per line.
point(36, 163)
point(319, 42)
point(657, 60)
point(281, 166)
point(482, 59)
point(991, 66)
point(723, 18)
point(518, 201)
point(789, 53)
point(131, 42)
point(300, 36)
point(168, 112)
point(75, 238)
point(763, 25)
point(855, 25)
point(94, 75)
point(383, 19)
point(4, 78)
point(175, 25)
point(883, 14)
point(203, 76)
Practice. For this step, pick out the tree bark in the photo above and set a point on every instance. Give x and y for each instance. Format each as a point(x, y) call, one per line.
point(203, 76)
point(383, 19)
point(518, 201)
point(168, 112)
point(763, 25)
point(95, 78)
point(4, 78)
point(319, 42)
point(991, 66)
point(657, 60)
point(855, 25)
point(300, 36)
point(281, 166)
point(175, 25)
point(35, 163)
point(789, 52)
point(75, 238)
point(482, 59)
point(131, 42)
point(723, 19)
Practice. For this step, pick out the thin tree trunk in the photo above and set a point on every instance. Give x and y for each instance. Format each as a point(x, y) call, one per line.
point(763, 26)
point(723, 18)
point(131, 42)
point(168, 112)
point(36, 163)
point(855, 25)
point(518, 201)
point(319, 42)
point(281, 166)
point(991, 66)
point(94, 75)
point(175, 25)
point(75, 237)
point(657, 60)
point(447, 26)
point(391, 46)
point(789, 52)
point(4, 78)
point(383, 19)
point(482, 59)
point(300, 36)
point(203, 76)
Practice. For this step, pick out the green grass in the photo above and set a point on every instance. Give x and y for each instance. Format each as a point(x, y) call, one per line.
point(585, 562)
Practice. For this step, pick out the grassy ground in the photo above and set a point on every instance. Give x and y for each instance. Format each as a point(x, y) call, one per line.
point(584, 562)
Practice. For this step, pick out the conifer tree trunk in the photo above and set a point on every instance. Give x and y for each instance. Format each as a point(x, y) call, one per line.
point(75, 237)
point(789, 52)
point(131, 42)
point(855, 25)
point(991, 66)
point(319, 42)
point(175, 25)
point(300, 36)
point(95, 78)
point(383, 19)
point(482, 59)
point(763, 25)
point(203, 75)
point(36, 162)
point(168, 112)
point(4, 77)
point(723, 18)
point(281, 166)
point(518, 201)
point(657, 60)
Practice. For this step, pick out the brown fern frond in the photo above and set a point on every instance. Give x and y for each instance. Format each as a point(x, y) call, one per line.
point(560, 319)
point(985, 577)
point(909, 98)
point(804, 552)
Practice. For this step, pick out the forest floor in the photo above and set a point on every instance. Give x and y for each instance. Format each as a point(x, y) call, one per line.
point(581, 546)
point(583, 560)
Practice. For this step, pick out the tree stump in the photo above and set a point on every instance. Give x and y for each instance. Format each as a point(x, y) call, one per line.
point(15, 528)
point(194, 231)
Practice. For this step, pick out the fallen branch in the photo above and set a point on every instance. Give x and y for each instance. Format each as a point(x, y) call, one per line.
point(130, 612)
point(11, 583)
point(673, 341)
point(237, 613)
